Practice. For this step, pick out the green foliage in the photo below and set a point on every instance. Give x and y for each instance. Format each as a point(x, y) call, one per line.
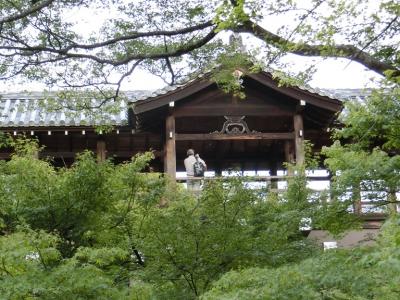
point(32, 267)
point(104, 231)
point(70, 244)
point(376, 121)
point(231, 68)
point(229, 15)
point(370, 273)
point(369, 160)
point(193, 242)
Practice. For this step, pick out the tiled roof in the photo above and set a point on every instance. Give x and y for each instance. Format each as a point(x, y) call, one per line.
point(25, 109)
point(348, 94)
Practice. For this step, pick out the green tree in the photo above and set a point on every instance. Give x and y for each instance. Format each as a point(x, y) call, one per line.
point(40, 40)
point(104, 231)
point(361, 273)
point(366, 154)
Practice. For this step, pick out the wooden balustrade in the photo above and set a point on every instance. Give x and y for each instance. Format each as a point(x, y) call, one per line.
point(375, 209)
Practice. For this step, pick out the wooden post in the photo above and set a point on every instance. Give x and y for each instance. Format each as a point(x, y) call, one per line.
point(332, 196)
point(274, 172)
point(298, 138)
point(289, 155)
point(101, 150)
point(218, 169)
point(392, 199)
point(356, 197)
point(35, 154)
point(170, 147)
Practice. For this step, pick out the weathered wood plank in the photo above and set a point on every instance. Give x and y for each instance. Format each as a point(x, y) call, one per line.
point(232, 110)
point(170, 147)
point(101, 150)
point(299, 138)
point(223, 136)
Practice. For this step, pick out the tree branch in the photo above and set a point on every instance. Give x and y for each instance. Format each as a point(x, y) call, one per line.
point(34, 8)
point(168, 63)
point(138, 35)
point(64, 54)
point(345, 51)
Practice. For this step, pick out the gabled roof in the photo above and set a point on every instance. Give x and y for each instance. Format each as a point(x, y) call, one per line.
point(319, 98)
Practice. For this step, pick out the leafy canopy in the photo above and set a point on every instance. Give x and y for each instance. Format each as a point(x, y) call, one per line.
point(361, 273)
point(105, 231)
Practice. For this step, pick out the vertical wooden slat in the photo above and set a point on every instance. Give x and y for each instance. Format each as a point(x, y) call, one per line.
point(274, 172)
point(356, 198)
point(170, 147)
point(101, 150)
point(392, 199)
point(299, 138)
point(289, 154)
point(332, 196)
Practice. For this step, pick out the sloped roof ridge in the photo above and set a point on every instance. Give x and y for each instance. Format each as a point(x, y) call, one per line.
point(40, 95)
point(339, 94)
point(349, 93)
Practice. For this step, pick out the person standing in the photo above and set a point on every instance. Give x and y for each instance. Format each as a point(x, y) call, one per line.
point(192, 165)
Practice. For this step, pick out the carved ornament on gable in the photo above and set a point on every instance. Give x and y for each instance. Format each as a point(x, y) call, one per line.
point(235, 125)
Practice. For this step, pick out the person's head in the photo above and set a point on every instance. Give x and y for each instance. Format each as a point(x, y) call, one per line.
point(190, 152)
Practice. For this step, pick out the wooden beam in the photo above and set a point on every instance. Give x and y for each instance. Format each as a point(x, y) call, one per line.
point(299, 138)
point(232, 110)
point(175, 95)
point(58, 154)
point(129, 154)
point(298, 93)
point(224, 136)
point(170, 147)
point(5, 155)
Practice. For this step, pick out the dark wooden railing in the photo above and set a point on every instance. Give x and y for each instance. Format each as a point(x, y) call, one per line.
point(369, 209)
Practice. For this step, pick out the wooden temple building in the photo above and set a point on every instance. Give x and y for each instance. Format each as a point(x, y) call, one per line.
point(260, 132)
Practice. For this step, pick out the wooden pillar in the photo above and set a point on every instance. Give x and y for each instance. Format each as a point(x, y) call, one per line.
point(289, 154)
point(332, 196)
point(274, 172)
point(170, 147)
point(392, 199)
point(356, 198)
point(101, 150)
point(218, 169)
point(298, 138)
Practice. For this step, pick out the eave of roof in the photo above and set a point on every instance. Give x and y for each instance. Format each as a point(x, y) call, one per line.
point(159, 98)
point(35, 116)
